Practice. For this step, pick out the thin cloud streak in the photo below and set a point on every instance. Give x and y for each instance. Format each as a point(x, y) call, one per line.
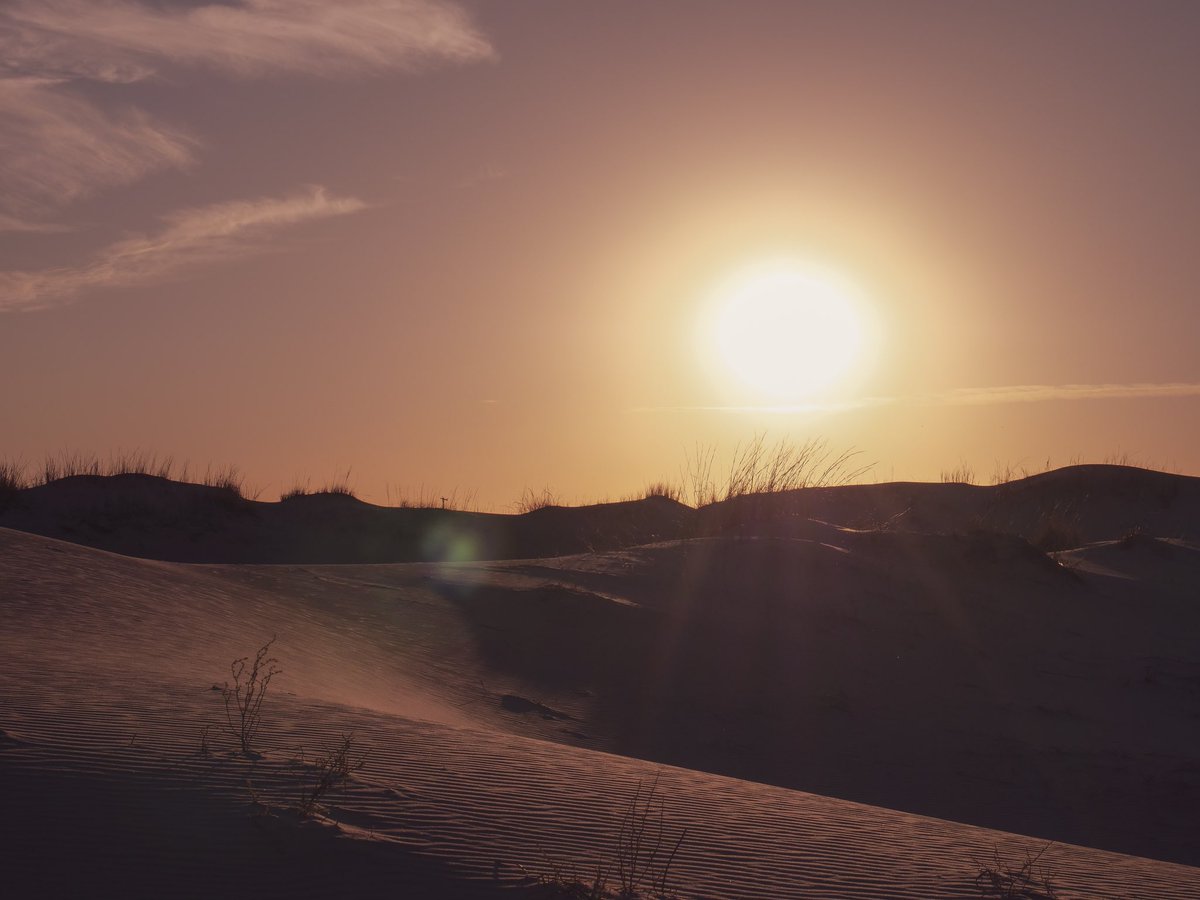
point(190, 236)
point(13, 224)
point(1037, 393)
point(1019, 393)
point(56, 146)
point(125, 40)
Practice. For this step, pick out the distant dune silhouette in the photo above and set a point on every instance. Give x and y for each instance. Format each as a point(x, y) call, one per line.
point(156, 518)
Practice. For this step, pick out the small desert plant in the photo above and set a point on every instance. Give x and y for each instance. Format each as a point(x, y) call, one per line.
point(229, 478)
point(960, 474)
point(123, 462)
point(532, 500)
point(329, 770)
point(261, 806)
point(641, 858)
point(244, 696)
point(421, 498)
point(1003, 473)
point(663, 489)
point(296, 490)
point(67, 465)
point(758, 468)
point(1002, 880)
point(572, 886)
point(641, 861)
point(12, 480)
point(141, 462)
point(697, 476)
point(339, 486)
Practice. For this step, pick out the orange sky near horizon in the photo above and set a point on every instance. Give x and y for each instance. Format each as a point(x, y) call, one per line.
point(468, 247)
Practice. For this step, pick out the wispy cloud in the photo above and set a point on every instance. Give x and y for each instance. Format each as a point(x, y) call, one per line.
point(12, 224)
point(56, 145)
point(1038, 393)
point(1018, 393)
point(126, 40)
point(188, 237)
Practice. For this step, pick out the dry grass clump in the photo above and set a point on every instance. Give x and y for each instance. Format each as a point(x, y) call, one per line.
point(133, 462)
point(421, 498)
point(339, 486)
point(758, 468)
point(1003, 473)
point(960, 474)
point(227, 478)
point(1003, 880)
point(296, 490)
point(641, 861)
point(244, 696)
point(532, 500)
point(55, 467)
point(663, 489)
point(12, 480)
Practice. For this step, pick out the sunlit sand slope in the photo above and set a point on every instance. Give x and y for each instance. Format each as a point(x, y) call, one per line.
point(106, 684)
point(969, 677)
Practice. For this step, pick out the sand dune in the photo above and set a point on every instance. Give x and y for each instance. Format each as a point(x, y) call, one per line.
point(967, 677)
point(971, 677)
point(151, 517)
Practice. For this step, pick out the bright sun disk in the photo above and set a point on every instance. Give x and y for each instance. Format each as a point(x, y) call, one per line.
point(788, 331)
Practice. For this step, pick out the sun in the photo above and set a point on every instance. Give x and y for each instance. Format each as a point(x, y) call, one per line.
point(787, 331)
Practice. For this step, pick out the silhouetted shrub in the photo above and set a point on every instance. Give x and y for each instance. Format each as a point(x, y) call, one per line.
point(244, 697)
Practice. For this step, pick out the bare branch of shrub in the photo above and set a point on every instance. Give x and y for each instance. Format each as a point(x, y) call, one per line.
point(1002, 880)
point(330, 769)
point(641, 862)
point(244, 697)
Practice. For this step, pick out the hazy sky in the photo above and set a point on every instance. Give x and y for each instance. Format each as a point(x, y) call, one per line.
point(470, 245)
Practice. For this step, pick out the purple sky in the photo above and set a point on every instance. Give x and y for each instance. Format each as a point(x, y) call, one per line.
point(466, 245)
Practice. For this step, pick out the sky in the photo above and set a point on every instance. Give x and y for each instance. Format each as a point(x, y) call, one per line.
point(475, 247)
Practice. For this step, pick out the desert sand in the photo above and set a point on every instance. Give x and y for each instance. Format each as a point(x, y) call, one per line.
point(859, 692)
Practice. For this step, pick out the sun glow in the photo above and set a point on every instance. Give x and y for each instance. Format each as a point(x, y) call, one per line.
point(787, 331)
